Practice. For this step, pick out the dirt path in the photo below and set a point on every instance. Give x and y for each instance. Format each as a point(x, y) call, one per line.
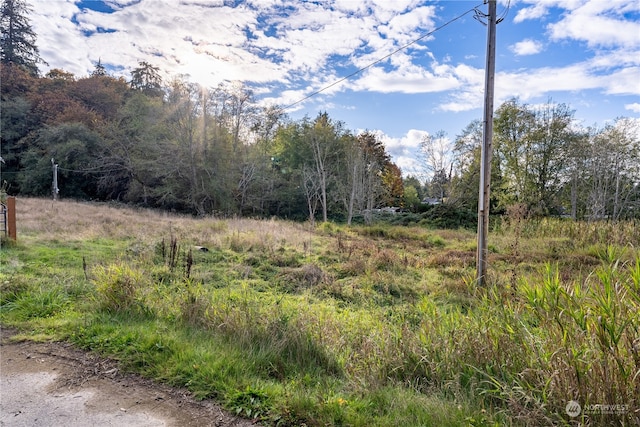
point(53, 384)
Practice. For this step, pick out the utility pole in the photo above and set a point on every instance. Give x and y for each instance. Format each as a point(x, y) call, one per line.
point(54, 184)
point(486, 153)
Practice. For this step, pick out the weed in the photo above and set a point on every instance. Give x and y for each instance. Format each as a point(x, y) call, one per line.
point(250, 403)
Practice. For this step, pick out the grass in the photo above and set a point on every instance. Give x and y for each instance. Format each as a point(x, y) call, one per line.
point(334, 326)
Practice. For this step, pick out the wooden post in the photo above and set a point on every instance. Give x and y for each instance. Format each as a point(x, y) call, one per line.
point(485, 156)
point(11, 218)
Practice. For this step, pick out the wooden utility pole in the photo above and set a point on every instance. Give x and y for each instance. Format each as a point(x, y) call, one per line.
point(486, 153)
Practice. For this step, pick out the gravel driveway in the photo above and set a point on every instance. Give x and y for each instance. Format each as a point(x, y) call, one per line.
point(53, 384)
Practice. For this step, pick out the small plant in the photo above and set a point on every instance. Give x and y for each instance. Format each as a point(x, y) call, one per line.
point(250, 403)
point(194, 304)
point(117, 286)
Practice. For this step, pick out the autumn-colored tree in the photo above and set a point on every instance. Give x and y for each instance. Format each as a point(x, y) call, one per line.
point(103, 95)
point(394, 188)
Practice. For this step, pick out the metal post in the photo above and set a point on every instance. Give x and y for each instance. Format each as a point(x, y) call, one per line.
point(485, 157)
point(54, 185)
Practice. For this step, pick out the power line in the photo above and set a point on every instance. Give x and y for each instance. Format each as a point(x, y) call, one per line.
point(401, 48)
point(93, 170)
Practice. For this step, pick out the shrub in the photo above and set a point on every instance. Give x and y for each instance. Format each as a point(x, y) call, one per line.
point(117, 286)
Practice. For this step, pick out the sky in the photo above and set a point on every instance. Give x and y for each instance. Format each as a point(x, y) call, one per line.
point(417, 67)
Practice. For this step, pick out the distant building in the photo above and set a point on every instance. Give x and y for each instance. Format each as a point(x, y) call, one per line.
point(431, 201)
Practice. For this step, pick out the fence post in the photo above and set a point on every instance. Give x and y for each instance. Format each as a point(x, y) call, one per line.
point(11, 217)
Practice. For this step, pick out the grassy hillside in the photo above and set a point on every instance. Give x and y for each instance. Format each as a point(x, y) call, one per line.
point(339, 326)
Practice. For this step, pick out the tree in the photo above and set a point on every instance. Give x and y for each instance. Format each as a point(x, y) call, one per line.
point(73, 146)
point(436, 150)
point(394, 188)
point(103, 95)
point(18, 40)
point(61, 75)
point(413, 181)
point(614, 168)
point(239, 110)
point(16, 123)
point(146, 78)
point(411, 199)
point(550, 137)
point(531, 146)
point(349, 186)
point(465, 180)
point(136, 159)
point(513, 150)
point(374, 163)
point(322, 137)
point(99, 70)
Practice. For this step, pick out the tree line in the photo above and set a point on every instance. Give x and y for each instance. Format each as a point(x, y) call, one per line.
point(180, 146)
point(547, 164)
point(184, 147)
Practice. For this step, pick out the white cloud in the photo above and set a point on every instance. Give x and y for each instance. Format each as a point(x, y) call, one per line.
point(635, 107)
point(540, 8)
point(409, 79)
point(597, 26)
point(526, 47)
point(292, 49)
point(405, 151)
point(534, 12)
point(624, 82)
point(534, 83)
point(596, 22)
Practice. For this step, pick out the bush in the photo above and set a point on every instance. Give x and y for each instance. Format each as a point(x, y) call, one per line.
point(117, 285)
point(448, 216)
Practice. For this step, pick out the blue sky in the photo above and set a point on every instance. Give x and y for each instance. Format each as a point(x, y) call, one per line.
point(584, 53)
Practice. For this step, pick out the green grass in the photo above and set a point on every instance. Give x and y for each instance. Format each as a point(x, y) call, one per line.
point(337, 326)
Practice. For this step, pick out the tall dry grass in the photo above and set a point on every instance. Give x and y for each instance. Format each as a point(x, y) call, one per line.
point(69, 220)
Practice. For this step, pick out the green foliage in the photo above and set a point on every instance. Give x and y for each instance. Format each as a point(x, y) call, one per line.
point(181, 147)
point(117, 286)
point(250, 403)
point(357, 325)
point(411, 198)
point(70, 145)
point(18, 41)
point(37, 303)
point(449, 216)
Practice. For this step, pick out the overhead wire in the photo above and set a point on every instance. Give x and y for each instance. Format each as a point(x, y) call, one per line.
point(401, 48)
point(505, 13)
point(479, 16)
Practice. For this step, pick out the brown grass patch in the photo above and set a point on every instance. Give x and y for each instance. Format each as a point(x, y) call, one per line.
point(70, 220)
point(451, 258)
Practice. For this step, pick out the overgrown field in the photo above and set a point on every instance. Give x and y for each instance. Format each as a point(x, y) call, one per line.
point(341, 326)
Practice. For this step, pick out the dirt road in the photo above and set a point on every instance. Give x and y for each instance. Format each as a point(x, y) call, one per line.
point(53, 384)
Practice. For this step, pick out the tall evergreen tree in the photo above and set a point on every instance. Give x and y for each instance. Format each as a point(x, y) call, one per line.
point(18, 40)
point(99, 70)
point(146, 78)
